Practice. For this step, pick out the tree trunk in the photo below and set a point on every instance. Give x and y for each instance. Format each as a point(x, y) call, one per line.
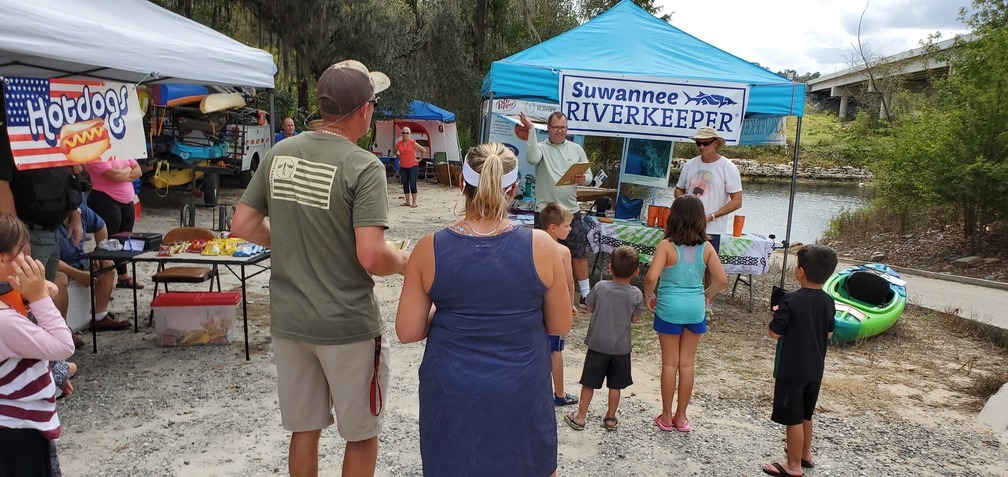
point(479, 34)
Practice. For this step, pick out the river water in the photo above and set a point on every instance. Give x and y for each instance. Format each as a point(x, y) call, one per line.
point(765, 208)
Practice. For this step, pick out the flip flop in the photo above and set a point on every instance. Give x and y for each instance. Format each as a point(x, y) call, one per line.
point(779, 470)
point(662, 426)
point(610, 423)
point(684, 427)
point(569, 419)
point(806, 464)
point(404, 205)
point(414, 206)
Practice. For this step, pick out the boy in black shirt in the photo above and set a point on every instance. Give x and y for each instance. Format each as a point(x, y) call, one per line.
point(802, 324)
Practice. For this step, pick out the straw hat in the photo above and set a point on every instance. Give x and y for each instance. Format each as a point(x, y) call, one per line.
point(708, 133)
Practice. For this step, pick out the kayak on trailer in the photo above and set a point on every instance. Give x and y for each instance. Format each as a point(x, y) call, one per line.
point(869, 299)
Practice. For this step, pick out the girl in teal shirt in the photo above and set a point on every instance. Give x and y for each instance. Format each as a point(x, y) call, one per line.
point(680, 303)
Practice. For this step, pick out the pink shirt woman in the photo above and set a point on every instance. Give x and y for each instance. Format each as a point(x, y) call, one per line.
point(112, 199)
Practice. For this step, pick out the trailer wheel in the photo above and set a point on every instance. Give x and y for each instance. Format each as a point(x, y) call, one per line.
point(245, 177)
point(211, 181)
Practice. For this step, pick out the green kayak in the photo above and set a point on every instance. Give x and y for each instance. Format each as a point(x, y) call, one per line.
point(869, 299)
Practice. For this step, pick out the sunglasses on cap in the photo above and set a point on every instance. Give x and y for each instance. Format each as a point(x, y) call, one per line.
point(706, 143)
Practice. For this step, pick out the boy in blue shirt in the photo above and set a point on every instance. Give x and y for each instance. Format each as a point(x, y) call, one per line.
point(802, 324)
point(614, 304)
point(75, 267)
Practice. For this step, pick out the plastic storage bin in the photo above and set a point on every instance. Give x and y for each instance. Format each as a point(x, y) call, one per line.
point(187, 318)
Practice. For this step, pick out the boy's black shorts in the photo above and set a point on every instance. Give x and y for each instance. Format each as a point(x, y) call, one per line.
point(615, 369)
point(794, 401)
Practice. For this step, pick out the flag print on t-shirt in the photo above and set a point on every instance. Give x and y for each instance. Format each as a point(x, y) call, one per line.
point(305, 182)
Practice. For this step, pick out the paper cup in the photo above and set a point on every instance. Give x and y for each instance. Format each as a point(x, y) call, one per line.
point(652, 215)
point(663, 214)
point(737, 225)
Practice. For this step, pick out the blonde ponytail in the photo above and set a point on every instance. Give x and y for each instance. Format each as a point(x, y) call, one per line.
point(488, 199)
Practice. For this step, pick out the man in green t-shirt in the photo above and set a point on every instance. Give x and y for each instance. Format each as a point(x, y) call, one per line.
point(320, 202)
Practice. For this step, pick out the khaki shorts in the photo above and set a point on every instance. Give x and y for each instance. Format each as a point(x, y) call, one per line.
point(315, 380)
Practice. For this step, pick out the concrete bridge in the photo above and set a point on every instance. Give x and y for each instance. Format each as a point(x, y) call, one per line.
point(914, 68)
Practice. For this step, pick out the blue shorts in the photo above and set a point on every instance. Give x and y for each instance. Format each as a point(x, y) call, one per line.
point(557, 343)
point(667, 328)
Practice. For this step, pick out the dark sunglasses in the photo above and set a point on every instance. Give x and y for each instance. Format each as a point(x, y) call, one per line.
point(706, 143)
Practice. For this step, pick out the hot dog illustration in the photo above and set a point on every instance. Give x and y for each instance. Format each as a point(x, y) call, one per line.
point(84, 141)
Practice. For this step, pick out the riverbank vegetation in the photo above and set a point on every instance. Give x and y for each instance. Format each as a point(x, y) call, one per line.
point(945, 155)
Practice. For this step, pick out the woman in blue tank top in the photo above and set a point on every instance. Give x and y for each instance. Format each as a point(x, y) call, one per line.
point(681, 302)
point(497, 291)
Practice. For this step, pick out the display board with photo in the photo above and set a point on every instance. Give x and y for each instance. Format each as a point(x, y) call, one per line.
point(646, 162)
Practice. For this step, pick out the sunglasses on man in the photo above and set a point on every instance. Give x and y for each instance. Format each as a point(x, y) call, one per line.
point(705, 143)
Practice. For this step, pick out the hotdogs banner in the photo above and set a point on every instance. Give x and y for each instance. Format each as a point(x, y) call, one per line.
point(606, 104)
point(60, 122)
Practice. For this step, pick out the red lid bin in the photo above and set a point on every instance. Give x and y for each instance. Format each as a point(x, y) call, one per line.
point(187, 318)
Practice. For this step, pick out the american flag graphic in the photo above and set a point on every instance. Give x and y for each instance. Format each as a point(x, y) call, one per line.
point(307, 183)
point(37, 108)
point(34, 150)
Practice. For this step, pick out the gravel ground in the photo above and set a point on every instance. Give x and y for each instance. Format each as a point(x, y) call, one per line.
point(139, 409)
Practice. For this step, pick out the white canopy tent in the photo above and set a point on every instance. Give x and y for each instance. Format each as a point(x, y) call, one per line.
point(122, 40)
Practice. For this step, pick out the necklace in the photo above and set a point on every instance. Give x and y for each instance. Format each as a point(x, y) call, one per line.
point(331, 133)
point(481, 234)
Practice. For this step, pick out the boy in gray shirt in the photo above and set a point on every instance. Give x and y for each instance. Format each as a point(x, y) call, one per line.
point(614, 305)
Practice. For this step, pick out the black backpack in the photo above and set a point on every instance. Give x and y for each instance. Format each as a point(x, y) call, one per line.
point(46, 196)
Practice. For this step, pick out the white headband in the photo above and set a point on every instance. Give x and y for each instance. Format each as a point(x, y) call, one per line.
point(472, 177)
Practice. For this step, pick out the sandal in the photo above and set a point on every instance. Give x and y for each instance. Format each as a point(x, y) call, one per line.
point(129, 283)
point(610, 423)
point(572, 422)
point(662, 426)
point(565, 400)
point(684, 427)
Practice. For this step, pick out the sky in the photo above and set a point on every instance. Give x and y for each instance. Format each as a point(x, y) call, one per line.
point(813, 35)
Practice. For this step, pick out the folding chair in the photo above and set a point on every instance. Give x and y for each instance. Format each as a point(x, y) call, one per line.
point(185, 274)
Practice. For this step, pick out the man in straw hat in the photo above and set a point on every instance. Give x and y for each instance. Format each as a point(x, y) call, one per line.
point(714, 179)
point(327, 208)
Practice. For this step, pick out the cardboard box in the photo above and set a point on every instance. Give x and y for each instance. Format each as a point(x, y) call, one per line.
point(187, 318)
point(442, 171)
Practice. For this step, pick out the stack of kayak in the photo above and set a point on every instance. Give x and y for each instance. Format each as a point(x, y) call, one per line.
point(869, 299)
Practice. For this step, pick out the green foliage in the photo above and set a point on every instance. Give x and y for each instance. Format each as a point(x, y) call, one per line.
point(593, 8)
point(955, 151)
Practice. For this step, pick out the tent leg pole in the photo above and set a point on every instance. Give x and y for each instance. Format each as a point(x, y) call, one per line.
point(485, 123)
point(790, 210)
point(272, 106)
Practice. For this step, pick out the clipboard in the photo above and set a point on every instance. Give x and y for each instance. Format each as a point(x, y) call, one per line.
point(576, 169)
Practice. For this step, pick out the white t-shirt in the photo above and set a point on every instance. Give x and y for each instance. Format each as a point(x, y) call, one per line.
point(711, 182)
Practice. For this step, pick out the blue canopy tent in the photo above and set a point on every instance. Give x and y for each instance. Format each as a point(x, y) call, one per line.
point(432, 127)
point(628, 40)
point(425, 111)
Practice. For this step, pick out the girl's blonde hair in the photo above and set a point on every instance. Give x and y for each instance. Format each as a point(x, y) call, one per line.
point(13, 234)
point(491, 161)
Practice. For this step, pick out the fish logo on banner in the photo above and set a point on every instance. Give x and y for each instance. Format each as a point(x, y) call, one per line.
point(57, 122)
point(607, 104)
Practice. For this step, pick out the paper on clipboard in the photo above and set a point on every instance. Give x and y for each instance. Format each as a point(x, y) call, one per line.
point(576, 169)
